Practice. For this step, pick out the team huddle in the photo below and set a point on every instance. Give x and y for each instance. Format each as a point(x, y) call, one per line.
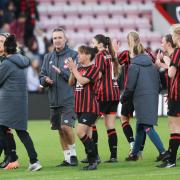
point(84, 85)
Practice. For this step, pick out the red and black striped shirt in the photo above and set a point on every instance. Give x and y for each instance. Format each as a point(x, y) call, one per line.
point(124, 59)
point(108, 86)
point(174, 83)
point(85, 96)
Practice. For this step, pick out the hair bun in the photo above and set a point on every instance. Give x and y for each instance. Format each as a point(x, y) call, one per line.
point(11, 37)
point(10, 44)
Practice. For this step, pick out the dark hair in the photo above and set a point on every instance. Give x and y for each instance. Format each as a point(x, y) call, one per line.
point(169, 39)
point(102, 39)
point(10, 44)
point(87, 50)
point(106, 41)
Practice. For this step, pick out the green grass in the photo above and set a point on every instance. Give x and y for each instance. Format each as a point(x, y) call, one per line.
point(50, 154)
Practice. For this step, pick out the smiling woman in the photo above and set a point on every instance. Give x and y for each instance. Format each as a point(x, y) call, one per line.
point(86, 104)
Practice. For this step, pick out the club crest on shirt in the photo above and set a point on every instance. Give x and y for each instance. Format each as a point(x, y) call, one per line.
point(65, 66)
point(79, 87)
point(82, 72)
point(107, 57)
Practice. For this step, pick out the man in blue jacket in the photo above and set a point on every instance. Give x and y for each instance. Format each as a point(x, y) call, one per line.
point(54, 75)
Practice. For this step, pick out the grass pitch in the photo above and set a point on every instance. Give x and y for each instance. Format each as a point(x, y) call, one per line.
point(50, 154)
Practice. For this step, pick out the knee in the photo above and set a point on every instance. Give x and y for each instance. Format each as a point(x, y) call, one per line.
point(110, 124)
point(148, 129)
point(80, 133)
point(65, 129)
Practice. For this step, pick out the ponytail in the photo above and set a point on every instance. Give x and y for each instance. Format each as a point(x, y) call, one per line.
point(135, 46)
point(138, 49)
point(106, 41)
point(116, 67)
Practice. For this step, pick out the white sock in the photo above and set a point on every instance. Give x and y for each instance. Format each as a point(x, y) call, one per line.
point(72, 149)
point(67, 155)
point(131, 145)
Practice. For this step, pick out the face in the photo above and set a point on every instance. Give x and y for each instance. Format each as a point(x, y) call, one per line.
point(95, 44)
point(82, 57)
point(59, 40)
point(164, 44)
point(2, 40)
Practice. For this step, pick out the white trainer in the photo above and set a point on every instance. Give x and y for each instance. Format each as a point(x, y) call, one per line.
point(35, 166)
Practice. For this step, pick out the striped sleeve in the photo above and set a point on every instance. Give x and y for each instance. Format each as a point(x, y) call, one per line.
point(176, 58)
point(123, 58)
point(92, 73)
point(99, 61)
point(150, 55)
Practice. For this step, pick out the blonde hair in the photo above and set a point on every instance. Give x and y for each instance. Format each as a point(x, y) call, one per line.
point(135, 46)
point(175, 28)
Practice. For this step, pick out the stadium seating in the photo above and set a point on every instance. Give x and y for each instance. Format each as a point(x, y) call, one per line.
point(82, 19)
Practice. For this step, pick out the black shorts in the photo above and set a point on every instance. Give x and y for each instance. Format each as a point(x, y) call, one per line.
point(87, 118)
point(62, 116)
point(108, 107)
point(173, 108)
point(127, 109)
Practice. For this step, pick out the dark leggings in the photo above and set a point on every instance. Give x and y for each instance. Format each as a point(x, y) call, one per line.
point(25, 139)
point(3, 145)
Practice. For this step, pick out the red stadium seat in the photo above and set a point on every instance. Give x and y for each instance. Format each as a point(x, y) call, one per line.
point(83, 19)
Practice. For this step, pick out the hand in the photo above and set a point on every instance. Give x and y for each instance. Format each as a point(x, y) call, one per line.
point(115, 45)
point(49, 81)
point(158, 63)
point(56, 69)
point(71, 65)
point(167, 60)
point(159, 55)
